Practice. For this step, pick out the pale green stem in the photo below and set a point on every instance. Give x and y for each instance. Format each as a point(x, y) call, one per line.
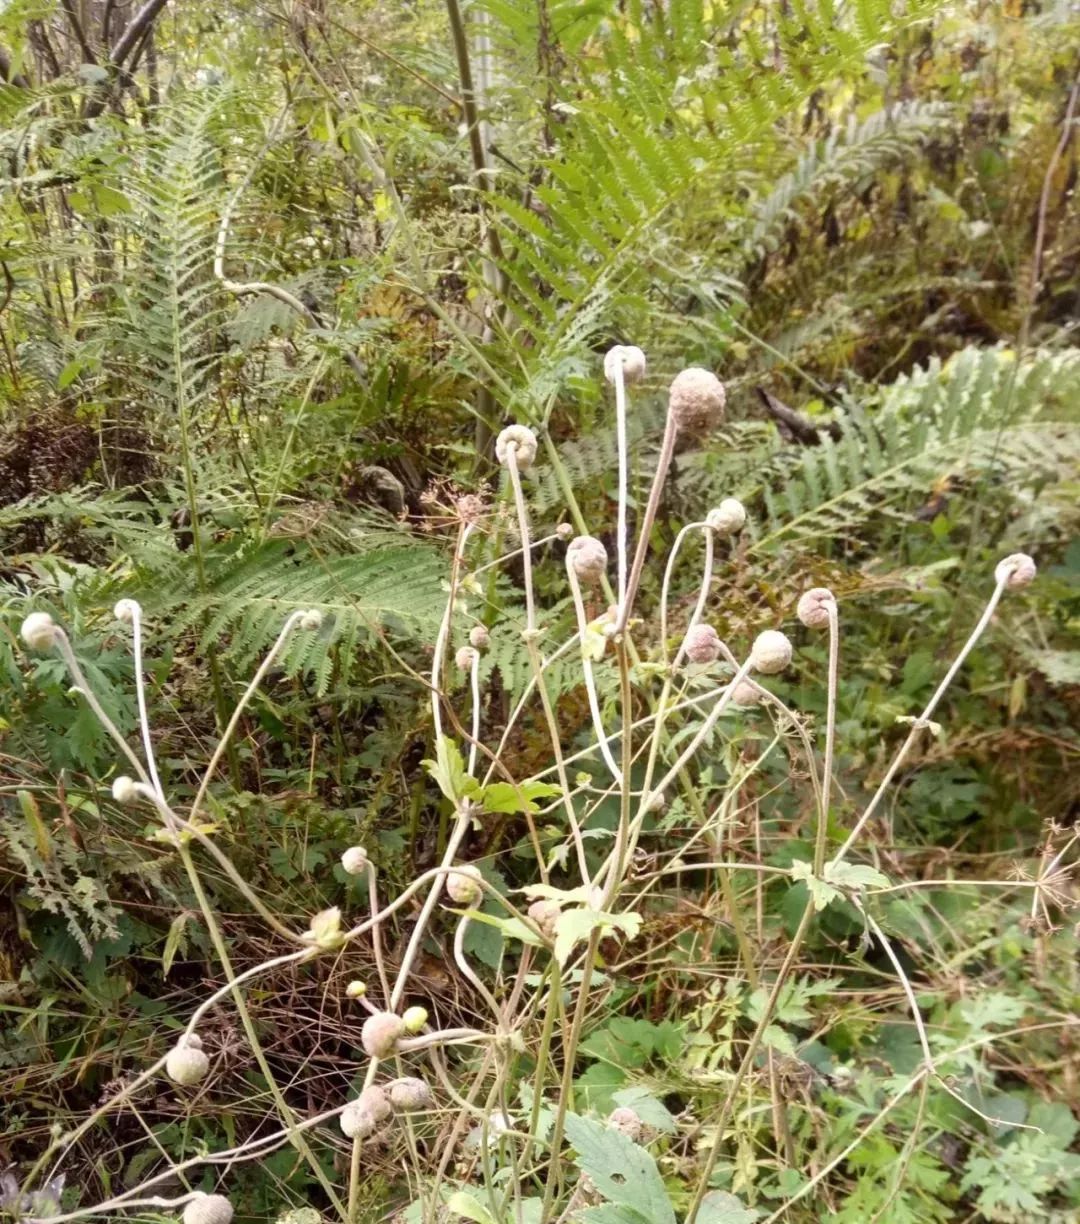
point(590, 679)
point(667, 450)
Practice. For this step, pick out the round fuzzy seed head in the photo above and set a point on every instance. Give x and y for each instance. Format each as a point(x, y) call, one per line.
point(381, 1033)
point(813, 607)
point(564, 531)
point(355, 860)
point(545, 913)
point(312, 619)
point(325, 930)
point(696, 400)
point(630, 357)
point(627, 1123)
point(657, 803)
point(356, 1123)
point(208, 1209)
point(464, 658)
point(414, 1019)
point(745, 695)
point(702, 644)
point(373, 1100)
point(126, 610)
point(587, 557)
point(462, 886)
point(123, 789)
point(1017, 570)
point(728, 517)
point(355, 989)
point(186, 1065)
point(410, 1093)
point(479, 638)
point(771, 652)
point(523, 440)
point(39, 631)
point(300, 1215)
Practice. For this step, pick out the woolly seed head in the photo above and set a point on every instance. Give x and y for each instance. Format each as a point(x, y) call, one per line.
point(696, 400)
point(373, 1100)
point(381, 1033)
point(657, 803)
point(355, 1122)
point(630, 357)
point(126, 610)
point(355, 860)
point(813, 607)
point(627, 1123)
point(312, 619)
point(702, 644)
point(409, 1092)
point(564, 531)
point(545, 913)
point(355, 989)
point(39, 631)
point(414, 1019)
point(186, 1064)
point(1017, 570)
point(124, 790)
point(745, 695)
point(523, 440)
point(462, 885)
point(464, 658)
point(728, 517)
point(771, 652)
point(479, 638)
point(587, 557)
point(208, 1209)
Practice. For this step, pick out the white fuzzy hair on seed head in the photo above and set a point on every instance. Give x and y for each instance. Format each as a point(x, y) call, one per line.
point(630, 357)
point(696, 400)
point(1016, 571)
point(522, 440)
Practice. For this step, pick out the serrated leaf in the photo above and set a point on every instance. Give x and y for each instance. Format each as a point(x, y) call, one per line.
point(720, 1207)
point(622, 1172)
point(575, 926)
point(502, 797)
point(448, 770)
point(854, 876)
point(465, 1205)
point(821, 894)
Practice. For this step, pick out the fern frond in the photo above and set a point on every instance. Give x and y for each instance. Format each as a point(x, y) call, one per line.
point(981, 411)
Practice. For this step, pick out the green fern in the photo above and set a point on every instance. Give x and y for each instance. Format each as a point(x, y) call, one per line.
point(850, 153)
point(390, 582)
point(650, 142)
point(981, 411)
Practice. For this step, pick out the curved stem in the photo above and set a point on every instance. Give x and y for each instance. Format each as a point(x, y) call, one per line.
point(590, 679)
point(667, 450)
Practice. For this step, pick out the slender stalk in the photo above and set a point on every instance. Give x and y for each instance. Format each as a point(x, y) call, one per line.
point(140, 695)
point(667, 450)
point(290, 624)
point(821, 841)
point(923, 719)
point(590, 679)
point(621, 534)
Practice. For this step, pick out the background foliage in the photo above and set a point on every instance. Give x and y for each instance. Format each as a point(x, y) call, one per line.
point(861, 216)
